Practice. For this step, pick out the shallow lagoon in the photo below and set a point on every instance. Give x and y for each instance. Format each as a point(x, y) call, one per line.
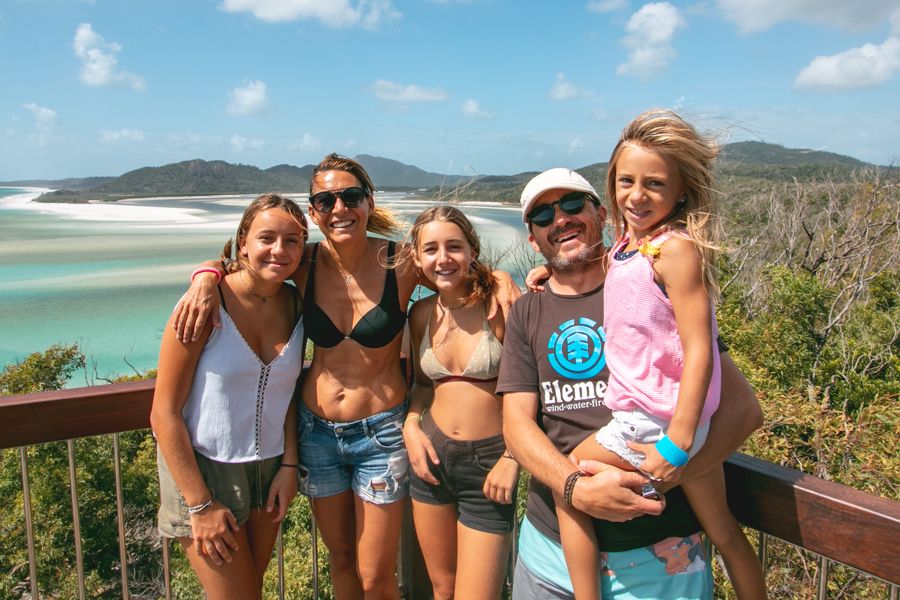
point(107, 276)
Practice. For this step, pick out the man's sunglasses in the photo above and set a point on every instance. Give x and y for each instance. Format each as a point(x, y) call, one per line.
point(324, 202)
point(571, 204)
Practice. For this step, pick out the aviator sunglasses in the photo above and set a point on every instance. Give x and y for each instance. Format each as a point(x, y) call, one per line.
point(571, 204)
point(324, 202)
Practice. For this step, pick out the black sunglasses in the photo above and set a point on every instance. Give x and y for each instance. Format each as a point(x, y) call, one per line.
point(571, 204)
point(324, 202)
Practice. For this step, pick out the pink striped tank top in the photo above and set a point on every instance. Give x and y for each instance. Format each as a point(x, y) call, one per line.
point(643, 348)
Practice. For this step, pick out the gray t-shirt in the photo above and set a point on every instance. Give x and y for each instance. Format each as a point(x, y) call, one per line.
point(554, 345)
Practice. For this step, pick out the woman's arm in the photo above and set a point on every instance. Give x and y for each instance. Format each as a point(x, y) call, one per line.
point(212, 527)
point(201, 302)
point(421, 395)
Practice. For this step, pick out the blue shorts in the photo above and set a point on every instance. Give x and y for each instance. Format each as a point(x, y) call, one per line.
point(674, 569)
point(367, 456)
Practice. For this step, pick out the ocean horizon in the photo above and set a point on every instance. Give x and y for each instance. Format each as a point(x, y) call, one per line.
point(107, 275)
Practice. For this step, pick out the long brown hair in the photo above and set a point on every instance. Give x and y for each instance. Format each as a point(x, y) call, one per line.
point(381, 221)
point(264, 202)
point(479, 276)
point(665, 132)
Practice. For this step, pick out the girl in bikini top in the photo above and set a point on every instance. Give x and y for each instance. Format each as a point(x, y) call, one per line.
point(456, 359)
point(483, 365)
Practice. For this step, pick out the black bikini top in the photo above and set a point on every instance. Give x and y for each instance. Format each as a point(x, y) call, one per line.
point(375, 329)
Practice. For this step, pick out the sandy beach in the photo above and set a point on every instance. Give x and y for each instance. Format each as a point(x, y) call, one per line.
point(104, 211)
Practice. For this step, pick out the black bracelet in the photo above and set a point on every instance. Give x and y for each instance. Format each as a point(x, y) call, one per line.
point(290, 465)
point(569, 488)
point(508, 455)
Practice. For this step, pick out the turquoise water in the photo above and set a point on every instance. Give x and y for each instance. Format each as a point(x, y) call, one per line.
point(110, 284)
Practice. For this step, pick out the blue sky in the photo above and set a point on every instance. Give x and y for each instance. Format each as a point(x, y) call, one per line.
point(478, 86)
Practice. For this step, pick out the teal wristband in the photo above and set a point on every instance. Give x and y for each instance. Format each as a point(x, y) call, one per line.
point(674, 455)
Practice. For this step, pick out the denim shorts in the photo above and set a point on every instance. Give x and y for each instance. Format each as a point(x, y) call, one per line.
point(638, 426)
point(240, 487)
point(367, 456)
point(461, 473)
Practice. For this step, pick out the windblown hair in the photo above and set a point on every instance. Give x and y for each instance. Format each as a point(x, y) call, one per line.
point(381, 221)
point(668, 134)
point(480, 275)
point(264, 202)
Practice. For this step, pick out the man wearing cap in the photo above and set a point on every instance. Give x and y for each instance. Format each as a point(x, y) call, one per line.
point(553, 378)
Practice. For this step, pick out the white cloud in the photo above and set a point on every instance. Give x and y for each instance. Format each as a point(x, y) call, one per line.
point(758, 15)
point(248, 99)
point(44, 120)
point(869, 65)
point(369, 14)
point(575, 145)
point(99, 65)
point(605, 6)
point(472, 110)
point(122, 135)
point(649, 33)
point(240, 143)
point(563, 89)
point(389, 91)
point(308, 142)
point(44, 117)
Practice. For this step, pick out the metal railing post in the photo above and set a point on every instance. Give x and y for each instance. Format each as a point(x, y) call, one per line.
point(29, 526)
point(120, 515)
point(279, 544)
point(314, 540)
point(823, 578)
point(76, 519)
point(167, 574)
point(762, 551)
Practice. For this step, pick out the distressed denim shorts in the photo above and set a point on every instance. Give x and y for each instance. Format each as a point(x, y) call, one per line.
point(367, 456)
point(638, 426)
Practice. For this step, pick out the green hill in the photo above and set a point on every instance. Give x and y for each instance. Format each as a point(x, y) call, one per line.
point(740, 164)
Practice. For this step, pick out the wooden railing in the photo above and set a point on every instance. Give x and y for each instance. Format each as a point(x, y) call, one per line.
point(837, 522)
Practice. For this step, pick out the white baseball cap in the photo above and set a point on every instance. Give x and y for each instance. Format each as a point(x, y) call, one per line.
point(553, 179)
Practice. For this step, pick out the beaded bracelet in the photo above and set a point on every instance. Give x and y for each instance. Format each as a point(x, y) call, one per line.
point(199, 508)
point(569, 488)
point(212, 270)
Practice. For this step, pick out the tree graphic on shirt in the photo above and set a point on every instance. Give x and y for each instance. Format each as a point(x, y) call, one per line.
point(577, 348)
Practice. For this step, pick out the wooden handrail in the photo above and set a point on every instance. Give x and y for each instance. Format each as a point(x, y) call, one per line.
point(837, 521)
point(844, 524)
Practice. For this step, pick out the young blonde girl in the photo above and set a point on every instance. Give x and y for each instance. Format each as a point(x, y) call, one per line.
point(664, 382)
point(222, 412)
point(462, 480)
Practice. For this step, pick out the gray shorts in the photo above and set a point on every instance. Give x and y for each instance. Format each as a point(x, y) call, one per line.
point(238, 486)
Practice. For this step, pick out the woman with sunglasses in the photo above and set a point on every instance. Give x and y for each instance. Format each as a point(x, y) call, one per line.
point(353, 462)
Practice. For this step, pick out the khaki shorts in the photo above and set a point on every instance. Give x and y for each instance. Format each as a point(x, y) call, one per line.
point(238, 486)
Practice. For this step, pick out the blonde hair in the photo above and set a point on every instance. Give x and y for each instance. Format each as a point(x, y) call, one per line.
point(479, 276)
point(668, 134)
point(381, 221)
point(264, 202)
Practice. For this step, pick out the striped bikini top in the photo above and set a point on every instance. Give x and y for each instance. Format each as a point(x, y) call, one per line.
point(483, 366)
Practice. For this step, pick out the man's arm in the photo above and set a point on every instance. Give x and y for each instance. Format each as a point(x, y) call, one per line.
point(606, 495)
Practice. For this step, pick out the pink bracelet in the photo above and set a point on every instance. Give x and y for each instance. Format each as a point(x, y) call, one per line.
point(207, 270)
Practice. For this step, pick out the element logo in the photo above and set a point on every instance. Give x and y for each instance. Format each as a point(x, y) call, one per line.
point(576, 350)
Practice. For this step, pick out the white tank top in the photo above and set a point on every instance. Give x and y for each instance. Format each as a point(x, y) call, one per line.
point(236, 407)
